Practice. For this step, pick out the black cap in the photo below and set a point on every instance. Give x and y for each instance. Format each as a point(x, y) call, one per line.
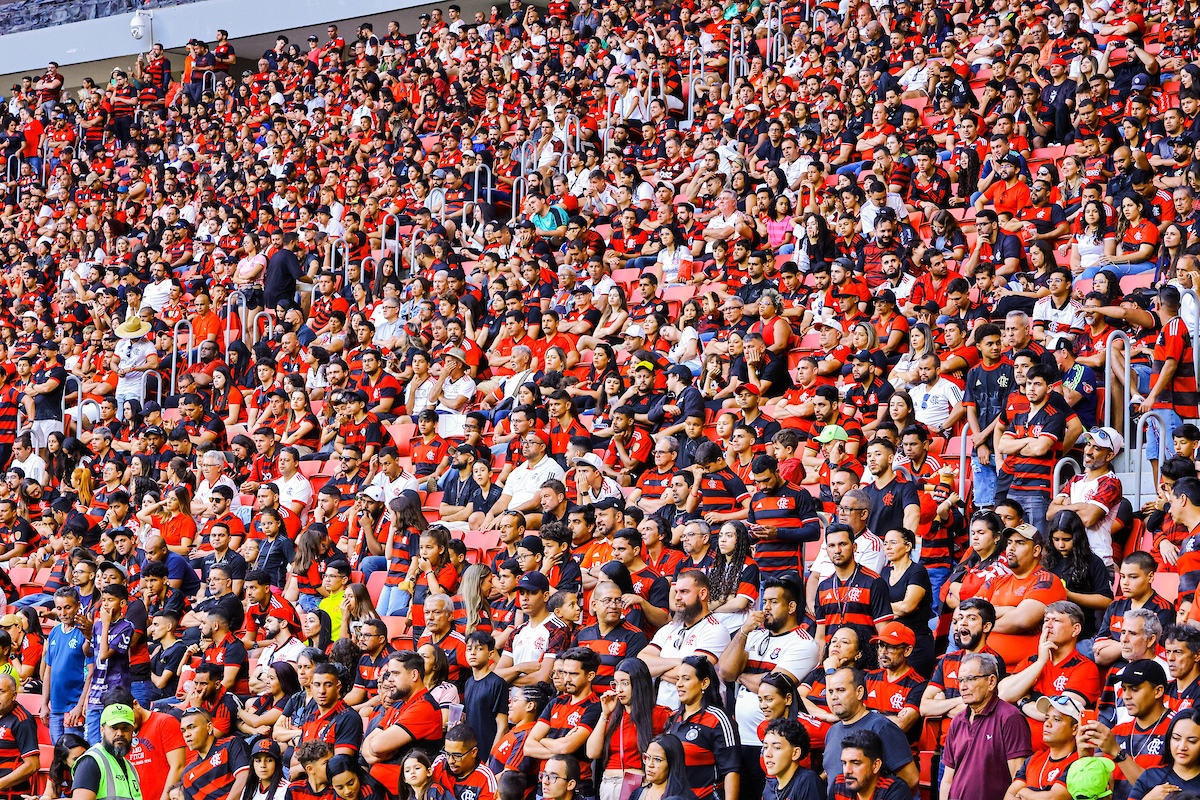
point(863, 355)
point(533, 582)
point(683, 373)
point(606, 503)
point(266, 747)
point(1144, 670)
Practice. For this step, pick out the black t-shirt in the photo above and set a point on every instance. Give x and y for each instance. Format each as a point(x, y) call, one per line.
point(165, 660)
point(888, 504)
point(482, 701)
point(49, 405)
point(230, 604)
point(1093, 578)
point(804, 785)
point(915, 575)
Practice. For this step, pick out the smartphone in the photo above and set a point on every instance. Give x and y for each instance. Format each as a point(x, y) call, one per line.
point(1088, 715)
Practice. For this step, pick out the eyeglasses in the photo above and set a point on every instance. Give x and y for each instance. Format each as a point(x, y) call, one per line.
point(609, 601)
point(458, 756)
point(971, 678)
point(550, 777)
point(848, 509)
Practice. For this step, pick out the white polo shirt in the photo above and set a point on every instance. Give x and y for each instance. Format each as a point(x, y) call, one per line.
point(706, 637)
point(795, 652)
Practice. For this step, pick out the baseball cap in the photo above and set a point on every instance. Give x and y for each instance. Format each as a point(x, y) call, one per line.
point(117, 714)
point(1105, 437)
point(9, 620)
point(374, 493)
point(1144, 670)
point(683, 373)
point(1141, 81)
point(590, 460)
point(1060, 62)
point(832, 433)
point(751, 388)
point(533, 582)
point(266, 747)
point(1090, 778)
point(635, 331)
point(863, 355)
point(829, 322)
point(1026, 531)
point(1063, 704)
point(606, 503)
point(896, 633)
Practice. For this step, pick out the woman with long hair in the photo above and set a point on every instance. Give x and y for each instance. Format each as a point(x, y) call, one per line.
point(437, 678)
point(968, 177)
point(629, 720)
point(900, 410)
point(172, 518)
point(985, 559)
point(430, 573)
point(350, 781)
point(67, 751)
point(1180, 770)
point(408, 524)
point(673, 263)
point(849, 646)
point(356, 607)
point(304, 582)
point(666, 771)
point(733, 576)
point(472, 608)
point(611, 325)
point(1094, 241)
point(587, 391)
point(266, 763)
point(713, 760)
point(228, 403)
point(1082, 572)
point(921, 342)
point(815, 243)
point(948, 238)
point(303, 430)
point(911, 595)
point(1137, 241)
point(260, 714)
point(1174, 242)
point(316, 628)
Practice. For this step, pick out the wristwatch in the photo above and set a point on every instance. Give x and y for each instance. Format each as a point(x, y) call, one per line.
point(1121, 755)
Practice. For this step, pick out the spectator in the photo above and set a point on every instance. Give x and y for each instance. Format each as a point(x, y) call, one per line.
point(846, 690)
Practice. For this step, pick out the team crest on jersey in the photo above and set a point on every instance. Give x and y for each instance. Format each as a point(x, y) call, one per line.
point(614, 649)
point(691, 734)
point(468, 794)
point(897, 701)
point(1060, 682)
point(775, 653)
point(573, 719)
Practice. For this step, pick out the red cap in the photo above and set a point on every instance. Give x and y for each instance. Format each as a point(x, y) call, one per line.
point(896, 633)
point(751, 388)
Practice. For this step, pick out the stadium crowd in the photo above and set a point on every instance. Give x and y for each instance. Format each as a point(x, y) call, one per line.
point(570, 403)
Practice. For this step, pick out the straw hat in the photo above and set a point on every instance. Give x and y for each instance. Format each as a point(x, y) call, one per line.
point(133, 328)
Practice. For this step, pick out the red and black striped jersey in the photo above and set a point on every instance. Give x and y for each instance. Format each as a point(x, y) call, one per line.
point(721, 491)
point(479, 784)
point(1033, 473)
point(792, 512)
point(509, 753)
point(862, 598)
point(210, 776)
point(421, 716)
point(885, 789)
point(427, 455)
point(652, 482)
point(565, 716)
point(710, 747)
point(302, 790)
point(1145, 745)
point(622, 642)
point(18, 739)
point(1175, 342)
point(1180, 699)
point(504, 611)
point(369, 670)
point(945, 674)
point(340, 726)
point(1041, 771)
point(1114, 616)
point(10, 400)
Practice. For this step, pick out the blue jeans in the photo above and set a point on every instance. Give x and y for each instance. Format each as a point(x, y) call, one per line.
point(1154, 436)
point(308, 602)
point(984, 480)
point(1121, 270)
point(937, 577)
point(93, 724)
point(34, 600)
point(1143, 372)
point(393, 602)
point(370, 565)
point(145, 692)
point(1086, 648)
point(57, 729)
point(850, 169)
point(1036, 504)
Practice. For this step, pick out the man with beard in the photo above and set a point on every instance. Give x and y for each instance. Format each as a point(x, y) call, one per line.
point(770, 641)
point(106, 762)
point(220, 766)
point(413, 720)
point(335, 723)
point(852, 594)
point(893, 501)
point(845, 691)
point(1096, 495)
point(693, 631)
point(973, 621)
point(459, 770)
point(895, 689)
point(614, 638)
point(862, 771)
point(566, 724)
point(157, 751)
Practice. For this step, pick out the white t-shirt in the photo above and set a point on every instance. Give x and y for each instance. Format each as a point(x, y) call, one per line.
point(393, 488)
point(524, 481)
point(529, 643)
point(794, 652)
point(706, 637)
point(932, 405)
point(204, 490)
point(33, 467)
point(295, 488)
point(452, 390)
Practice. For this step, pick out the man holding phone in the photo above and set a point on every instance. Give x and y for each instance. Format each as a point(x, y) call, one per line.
point(1135, 744)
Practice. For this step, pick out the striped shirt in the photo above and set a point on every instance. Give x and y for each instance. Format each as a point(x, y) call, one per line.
point(1175, 342)
point(721, 491)
point(1033, 473)
point(710, 748)
point(622, 642)
point(862, 598)
point(18, 739)
point(792, 512)
point(889, 697)
point(209, 777)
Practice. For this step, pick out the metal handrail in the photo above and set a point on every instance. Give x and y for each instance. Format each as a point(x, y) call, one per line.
point(518, 197)
point(695, 65)
point(475, 184)
point(383, 231)
point(691, 105)
point(739, 67)
point(175, 350)
point(345, 260)
point(375, 273)
point(610, 108)
point(1139, 439)
point(524, 155)
point(737, 50)
point(775, 15)
point(204, 81)
point(438, 191)
point(578, 131)
point(9, 172)
point(78, 402)
point(236, 294)
point(1056, 479)
point(269, 314)
point(662, 84)
point(1195, 330)
point(1108, 381)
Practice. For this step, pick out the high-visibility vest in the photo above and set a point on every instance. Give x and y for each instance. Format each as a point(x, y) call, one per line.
point(118, 778)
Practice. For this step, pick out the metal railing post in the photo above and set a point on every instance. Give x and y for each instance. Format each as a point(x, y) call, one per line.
point(691, 106)
point(1108, 381)
point(519, 192)
point(1195, 330)
point(578, 131)
point(78, 403)
point(9, 172)
point(438, 191)
point(383, 229)
point(610, 108)
point(270, 315)
point(1139, 439)
point(175, 350)
point(737, 51)
point(662, 84)
point(1056, 480)
point(475, 184)
point(205, 81)
point(229, 312)
point(524, 156)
